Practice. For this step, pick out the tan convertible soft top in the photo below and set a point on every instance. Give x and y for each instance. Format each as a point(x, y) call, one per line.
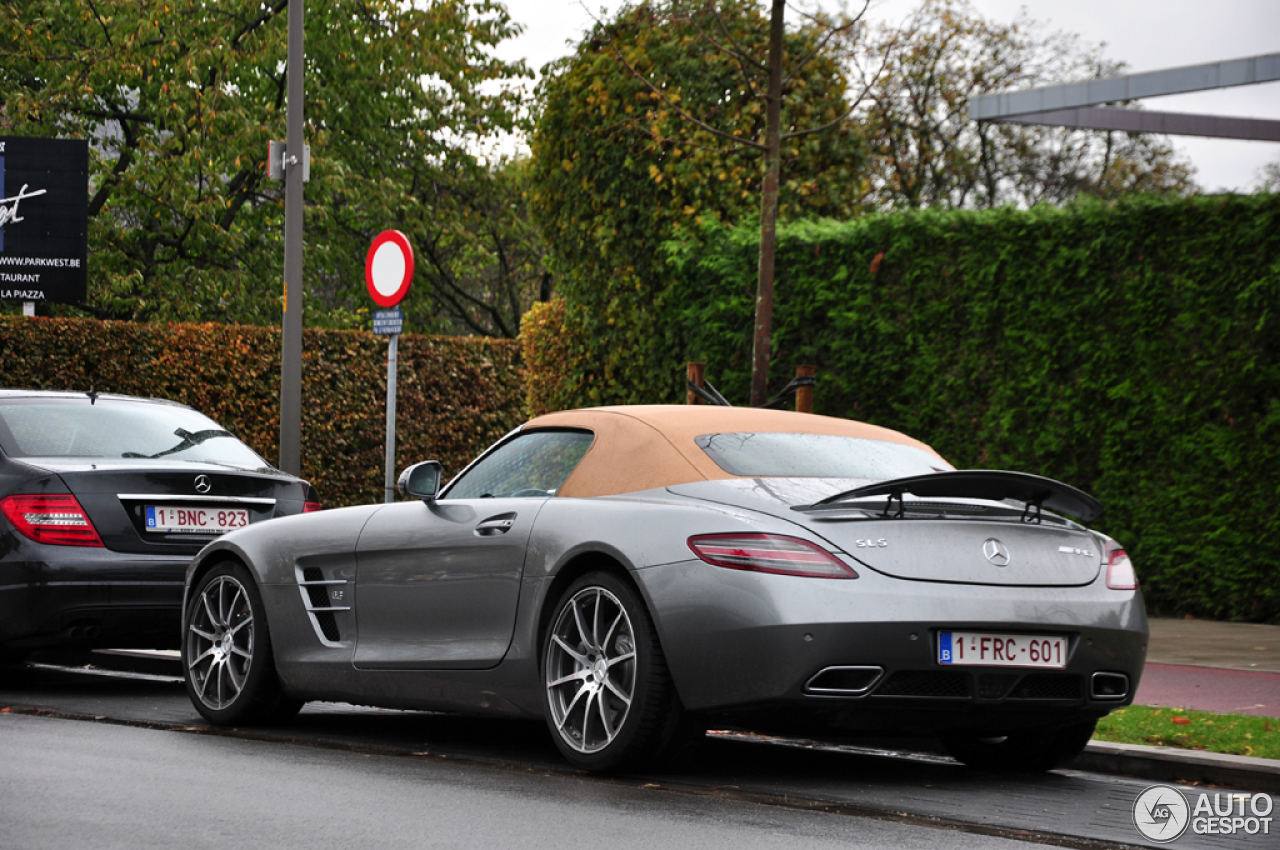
point(642, 447)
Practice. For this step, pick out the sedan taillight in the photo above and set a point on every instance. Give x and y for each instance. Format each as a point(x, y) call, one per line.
point(769, 553)
point(311, 507)
point(1120, 572)
point(58, 520)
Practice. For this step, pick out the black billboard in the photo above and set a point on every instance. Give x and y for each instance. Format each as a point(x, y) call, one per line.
point(44, 219)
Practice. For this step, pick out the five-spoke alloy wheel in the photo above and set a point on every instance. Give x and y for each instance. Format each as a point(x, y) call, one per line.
point(610, 700)
point(226, 651)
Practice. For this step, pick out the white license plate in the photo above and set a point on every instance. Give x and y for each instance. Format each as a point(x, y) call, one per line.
point(162, 518)
point(993, 650)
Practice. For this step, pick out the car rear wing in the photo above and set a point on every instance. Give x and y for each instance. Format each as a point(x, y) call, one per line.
point(996, 485)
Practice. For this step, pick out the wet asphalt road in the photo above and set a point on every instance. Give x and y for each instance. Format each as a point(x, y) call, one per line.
point(75, 785)
point(370, 778)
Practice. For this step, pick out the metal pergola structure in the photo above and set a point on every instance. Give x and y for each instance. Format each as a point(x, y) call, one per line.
point(1077, 105)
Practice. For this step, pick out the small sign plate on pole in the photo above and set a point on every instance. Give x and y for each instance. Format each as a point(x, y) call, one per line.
point(388, 322)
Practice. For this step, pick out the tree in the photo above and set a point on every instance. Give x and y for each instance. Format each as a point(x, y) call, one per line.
point(179, 99)
point(1268, 178)
point(619, 168)
point(483, 262)
point(927, 152)
point(763, 75)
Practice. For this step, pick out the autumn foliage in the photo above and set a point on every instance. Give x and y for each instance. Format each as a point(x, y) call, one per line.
point(455, 395)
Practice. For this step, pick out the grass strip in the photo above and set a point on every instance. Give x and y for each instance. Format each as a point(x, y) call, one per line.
point(1233, 734)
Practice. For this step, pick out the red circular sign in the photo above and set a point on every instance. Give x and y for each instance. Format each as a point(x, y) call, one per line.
point(388, 268)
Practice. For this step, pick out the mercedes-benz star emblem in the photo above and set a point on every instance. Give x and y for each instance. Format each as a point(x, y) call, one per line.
point(204, 485)
point(996, 552)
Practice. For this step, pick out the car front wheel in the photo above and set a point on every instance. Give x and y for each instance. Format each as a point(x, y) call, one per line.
point(1026, 751)
point(611, 703)
point(226, 652)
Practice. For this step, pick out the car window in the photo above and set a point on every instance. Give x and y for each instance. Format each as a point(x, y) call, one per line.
point(817, 456)
point(535, 463)
point(118, 429)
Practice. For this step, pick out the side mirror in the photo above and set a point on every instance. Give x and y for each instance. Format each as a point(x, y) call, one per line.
point(422, 480)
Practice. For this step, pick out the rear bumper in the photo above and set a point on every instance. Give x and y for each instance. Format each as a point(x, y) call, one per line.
point(749, 643)
point(86, 597)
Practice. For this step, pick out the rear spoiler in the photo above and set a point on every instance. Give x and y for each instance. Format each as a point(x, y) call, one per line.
point(1035, 491)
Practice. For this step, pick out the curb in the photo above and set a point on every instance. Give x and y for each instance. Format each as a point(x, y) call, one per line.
point(1165, 764)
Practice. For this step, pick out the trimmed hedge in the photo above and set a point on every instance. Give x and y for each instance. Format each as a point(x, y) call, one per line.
point(454, 395)
point(1130, 349)
point(544, 344)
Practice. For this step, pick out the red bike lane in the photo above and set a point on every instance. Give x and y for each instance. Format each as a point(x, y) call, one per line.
point(1210, 689)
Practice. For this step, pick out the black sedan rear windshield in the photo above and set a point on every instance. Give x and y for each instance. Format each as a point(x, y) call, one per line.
point(817, 456)
point(110, 428)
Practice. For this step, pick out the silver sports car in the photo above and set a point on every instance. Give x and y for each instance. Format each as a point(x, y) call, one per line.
point(634, 573)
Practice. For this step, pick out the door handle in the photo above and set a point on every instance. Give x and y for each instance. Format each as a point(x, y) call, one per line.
point(496, 525)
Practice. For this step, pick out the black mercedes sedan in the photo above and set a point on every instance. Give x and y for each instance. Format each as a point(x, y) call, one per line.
point(104, 499)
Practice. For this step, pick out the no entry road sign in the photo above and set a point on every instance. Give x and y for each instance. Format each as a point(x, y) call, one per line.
point(388, 268)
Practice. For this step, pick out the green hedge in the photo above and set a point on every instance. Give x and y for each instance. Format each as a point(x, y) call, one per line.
point(1129, 349)
point(454, 395)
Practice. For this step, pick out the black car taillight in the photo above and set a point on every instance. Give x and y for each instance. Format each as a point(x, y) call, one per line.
point(58, 520)
point(1120, 572)
point(769, 553)
point(311, 507)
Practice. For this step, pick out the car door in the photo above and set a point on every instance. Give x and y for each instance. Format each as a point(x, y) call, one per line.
point(438, 582)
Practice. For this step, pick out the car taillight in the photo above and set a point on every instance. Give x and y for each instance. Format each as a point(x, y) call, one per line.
point(769, 553)
point(1120, 573)
point(311, 507)
point(58, 520)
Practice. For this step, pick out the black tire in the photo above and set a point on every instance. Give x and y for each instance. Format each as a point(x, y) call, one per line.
point(1026, 751)
point(592, 663)
point(228, 664)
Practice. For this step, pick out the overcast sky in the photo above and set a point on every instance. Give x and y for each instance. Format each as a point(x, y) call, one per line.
point(1147, 34)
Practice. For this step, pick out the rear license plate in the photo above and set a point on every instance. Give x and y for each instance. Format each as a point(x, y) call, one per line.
point(993, 650)
point(161, 518)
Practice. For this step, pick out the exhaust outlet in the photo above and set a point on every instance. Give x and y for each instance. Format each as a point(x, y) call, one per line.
point(1108, 686)
point(843, 681)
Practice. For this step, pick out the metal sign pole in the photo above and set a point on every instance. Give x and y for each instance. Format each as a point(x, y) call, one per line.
point(388, 271)
point(391, 418)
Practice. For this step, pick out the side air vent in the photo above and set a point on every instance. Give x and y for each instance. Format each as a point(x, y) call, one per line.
point(925, 683)
point(318, 594)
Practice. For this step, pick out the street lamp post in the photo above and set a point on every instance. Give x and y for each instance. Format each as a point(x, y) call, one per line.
point(291, 354)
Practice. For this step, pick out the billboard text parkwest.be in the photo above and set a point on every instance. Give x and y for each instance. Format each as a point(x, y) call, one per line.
point(44, 191)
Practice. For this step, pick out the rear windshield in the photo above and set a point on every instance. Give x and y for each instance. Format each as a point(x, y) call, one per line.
point(109, 428)
point(817, 456)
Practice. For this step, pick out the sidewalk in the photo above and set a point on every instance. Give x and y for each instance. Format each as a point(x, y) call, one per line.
point(1207, 643)
point(1231, 668)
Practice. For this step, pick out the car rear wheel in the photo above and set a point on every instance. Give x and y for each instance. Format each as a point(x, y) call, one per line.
point(226, 652)
point(1026, 751)
point(611, 703)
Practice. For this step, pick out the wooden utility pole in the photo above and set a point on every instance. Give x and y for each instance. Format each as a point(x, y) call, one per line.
point(804, 394)
point(695, 373)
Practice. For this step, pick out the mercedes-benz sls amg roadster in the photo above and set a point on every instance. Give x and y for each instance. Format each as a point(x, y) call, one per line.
point(632, 574)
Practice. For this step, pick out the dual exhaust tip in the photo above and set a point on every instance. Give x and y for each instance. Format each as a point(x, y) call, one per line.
point(858, 680)
point(82, 631)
